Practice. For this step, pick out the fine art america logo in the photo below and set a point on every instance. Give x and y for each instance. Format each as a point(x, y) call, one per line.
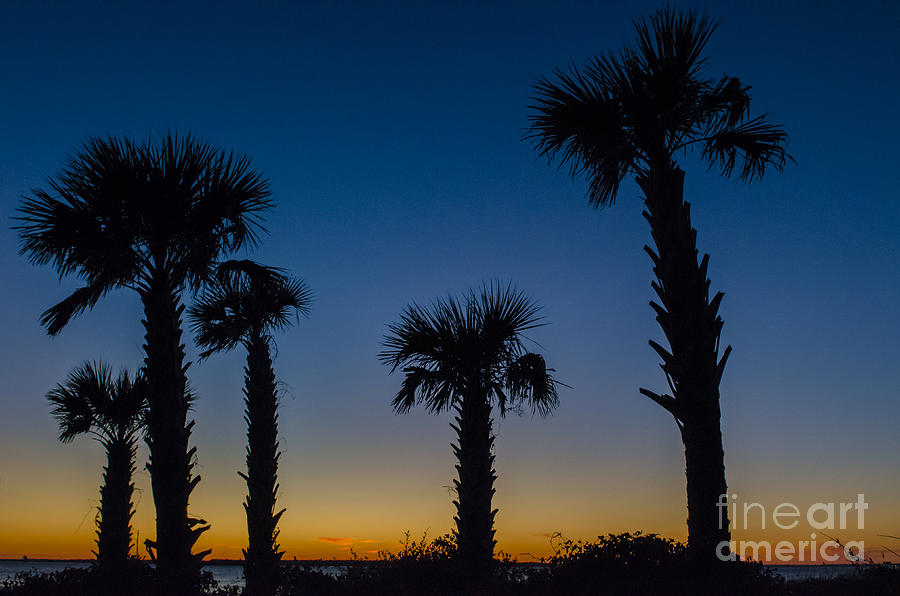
point(819, 517)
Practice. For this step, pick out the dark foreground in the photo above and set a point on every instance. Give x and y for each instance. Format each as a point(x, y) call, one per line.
point(625, 564)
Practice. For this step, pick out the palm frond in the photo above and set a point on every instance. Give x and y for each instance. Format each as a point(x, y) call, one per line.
point(118, 207)
point(58, 316)
point(237, 270)
point(753, 145)
point(424, 336)
point(219, 321)
point(576, 118)
point(92, 401)
point(127, 412)
point(245, 297)
point(502, 315)
point(529, 381)
point(81, 227)
point(229, 198)
point(506, 307)
point(673, 41)
point(726, 104)
point(273, 295)
point(455, 347)
point(290, 300)
point(630, 111)
point(72, 412)
point(434, 388)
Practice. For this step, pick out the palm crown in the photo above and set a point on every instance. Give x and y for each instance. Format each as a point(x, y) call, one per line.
point(443, 348)
point(92, 402)
point(631, 111)
point(121, 213)
point(246, 298)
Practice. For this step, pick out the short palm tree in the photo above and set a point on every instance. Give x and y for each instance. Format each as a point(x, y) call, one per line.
point(112, 411)
point(153, 217)
point(468, 356)
point(633, 112)
point(246, 304)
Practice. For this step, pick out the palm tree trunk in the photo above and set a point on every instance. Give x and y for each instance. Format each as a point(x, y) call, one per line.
point(692, 327)
point(114, 524)
point(261, 558)
point(168, 435)
point(475, 486)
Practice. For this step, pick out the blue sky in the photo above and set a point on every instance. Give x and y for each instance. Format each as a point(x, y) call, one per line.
point(392, 137)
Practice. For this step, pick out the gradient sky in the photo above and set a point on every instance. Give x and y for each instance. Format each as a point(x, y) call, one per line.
point(392, 139)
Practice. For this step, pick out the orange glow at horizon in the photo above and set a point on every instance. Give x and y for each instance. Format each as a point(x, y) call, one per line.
point(70, 533)
point(331, 511)
point(367, 501)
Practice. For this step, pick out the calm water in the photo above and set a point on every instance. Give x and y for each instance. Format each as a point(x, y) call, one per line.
point(233, 575)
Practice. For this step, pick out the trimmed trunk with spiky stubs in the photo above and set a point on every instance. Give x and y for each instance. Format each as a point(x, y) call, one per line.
point(115, 511)
point(168, 436)
point(475, 486)
point(261, 558)
point(692, 327)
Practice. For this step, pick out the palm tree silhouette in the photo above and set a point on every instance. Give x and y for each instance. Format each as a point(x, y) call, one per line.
point(246, 303)
point(112, 411)
point(152, 217)
point(631, 112)
point(467, 355)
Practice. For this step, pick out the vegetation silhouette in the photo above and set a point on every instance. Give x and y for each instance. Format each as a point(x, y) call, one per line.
point(467, 355)
point(615, 564)
point(630, 112)
point(245, 304)
point(112, 411)
point(153, 217)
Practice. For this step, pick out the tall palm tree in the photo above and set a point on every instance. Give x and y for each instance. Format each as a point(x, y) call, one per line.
point(152, 217)
point(632, 112)
point(245, 305)
point(468, 356)
point(112, 411)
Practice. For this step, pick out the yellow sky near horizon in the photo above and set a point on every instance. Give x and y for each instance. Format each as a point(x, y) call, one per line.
point(328, 514)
